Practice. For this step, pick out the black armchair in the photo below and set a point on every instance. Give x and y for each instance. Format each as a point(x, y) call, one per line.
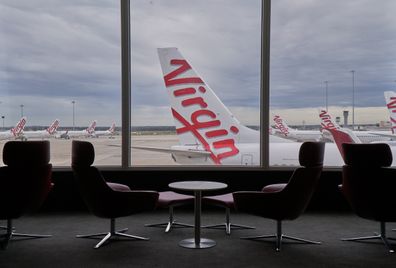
point(369, 185)
point(104, 199)
point(286, 201)
point(25, 182)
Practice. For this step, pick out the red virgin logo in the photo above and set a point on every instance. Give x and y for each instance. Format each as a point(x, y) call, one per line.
point(327, 122)
point(279, 125)
point(202, 123)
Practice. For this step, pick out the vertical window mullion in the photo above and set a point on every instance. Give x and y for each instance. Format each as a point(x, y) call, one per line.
point(265, 82)
point(125, 83)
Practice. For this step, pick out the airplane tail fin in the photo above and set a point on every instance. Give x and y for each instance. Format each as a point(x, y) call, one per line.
point(18, 129)
point(91, 128)
point(390, 99)
point(200, 117)
point(53, 127)
point(281, 125)
point(112, 128)
point(326, 121)
point(342, 135)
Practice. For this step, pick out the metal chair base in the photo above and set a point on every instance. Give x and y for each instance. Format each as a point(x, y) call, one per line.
point(227, 225)
point(11, 233)
point(381, 236)
point(279, 237)
point(171, 223)
point(112, 234)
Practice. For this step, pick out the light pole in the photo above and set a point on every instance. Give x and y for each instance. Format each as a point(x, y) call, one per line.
point(21, 109)
point(2, 117)
point(73, 102)
point(353, 99)
point(326, 83)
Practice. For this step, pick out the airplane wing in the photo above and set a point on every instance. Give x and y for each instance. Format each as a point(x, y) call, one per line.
point(182, 152)
point(393, 136)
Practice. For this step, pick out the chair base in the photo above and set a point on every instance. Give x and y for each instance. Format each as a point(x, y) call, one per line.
point(381, 236)
point(171, 223)
point(227, 225)
point(279, 237)
point(11, 233)
point(113, 233)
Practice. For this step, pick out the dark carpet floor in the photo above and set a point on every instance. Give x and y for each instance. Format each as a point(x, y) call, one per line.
point(162, 250)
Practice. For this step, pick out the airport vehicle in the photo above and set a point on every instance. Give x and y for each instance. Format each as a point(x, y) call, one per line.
point(107, 133)
point(41, 134)
point(88, 132)
point(15, 132)
point(209, 134)
point(294, 134)
point(364, 136)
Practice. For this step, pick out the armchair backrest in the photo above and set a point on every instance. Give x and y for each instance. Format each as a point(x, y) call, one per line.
point(25, 178)
point(303, 182)
point(91, 184)
point(368, 182)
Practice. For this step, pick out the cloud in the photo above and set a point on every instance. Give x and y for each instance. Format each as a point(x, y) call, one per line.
point(60, 51)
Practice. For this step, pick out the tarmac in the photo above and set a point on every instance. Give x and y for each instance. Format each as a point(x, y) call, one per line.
point(108, 150)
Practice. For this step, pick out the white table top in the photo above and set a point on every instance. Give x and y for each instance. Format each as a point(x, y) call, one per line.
point(197, 185)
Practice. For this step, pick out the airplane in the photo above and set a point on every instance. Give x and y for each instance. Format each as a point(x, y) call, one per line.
point(208, 133)
point(88, 132)
point(390, 100)
point(364, 136)
point(45, 133)
point(345, 135)
point(109, 132)
point(294, 134)
point(15, 132)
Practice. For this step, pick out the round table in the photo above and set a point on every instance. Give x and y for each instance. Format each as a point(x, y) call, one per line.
point(198, 187)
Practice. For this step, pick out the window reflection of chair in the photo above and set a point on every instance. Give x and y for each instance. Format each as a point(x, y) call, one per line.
point(369, 186)
point(286, 201)
point(225, 201)
point(103, 199)
point(170, 199)
point(25, 182)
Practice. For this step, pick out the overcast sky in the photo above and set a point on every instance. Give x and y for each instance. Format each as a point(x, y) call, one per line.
point(53, 52)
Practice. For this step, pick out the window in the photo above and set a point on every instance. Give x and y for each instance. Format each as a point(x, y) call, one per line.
point(61, 60)
point(338, 55)
point(208, 49)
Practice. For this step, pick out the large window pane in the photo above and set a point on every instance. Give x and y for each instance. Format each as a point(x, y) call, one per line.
point(218, 44)
point(61, 60)
point(338, 56)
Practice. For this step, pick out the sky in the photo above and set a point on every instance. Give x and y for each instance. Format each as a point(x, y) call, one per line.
point(53, 52)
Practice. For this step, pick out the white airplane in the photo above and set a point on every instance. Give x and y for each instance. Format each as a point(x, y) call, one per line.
point(345, 135)
point(15, 132)
point(88, 132)
point(390, 100)
point(364, 136)
point(41, 134)
point(209, 134)
point(109, 132)
point(284, 131)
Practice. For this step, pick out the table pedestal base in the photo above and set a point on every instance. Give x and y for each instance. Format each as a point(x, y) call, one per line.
point(190, 243)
